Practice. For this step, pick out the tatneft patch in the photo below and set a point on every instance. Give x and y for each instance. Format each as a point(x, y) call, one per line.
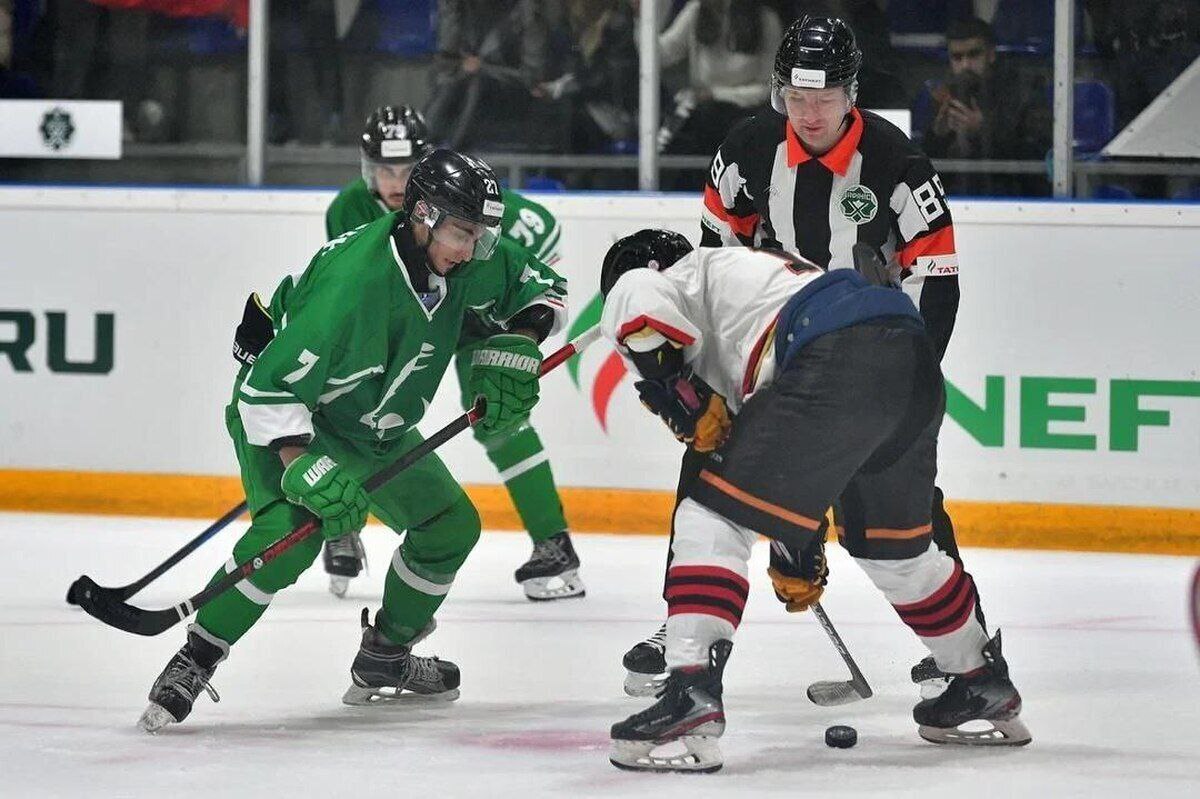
point(396, 148)
point(808, 78)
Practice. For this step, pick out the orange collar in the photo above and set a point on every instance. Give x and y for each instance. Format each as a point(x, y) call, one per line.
point(837, 159)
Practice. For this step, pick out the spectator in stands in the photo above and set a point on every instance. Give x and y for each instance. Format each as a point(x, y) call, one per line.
point(1153, 43)
point(492, 54)
point(730, 50)
point(985, 111)
point(598, 73)
point(101, 54)
point(305, 88)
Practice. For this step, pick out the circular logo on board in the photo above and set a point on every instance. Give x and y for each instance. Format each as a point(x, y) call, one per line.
point(57, 128)
point(859, 204)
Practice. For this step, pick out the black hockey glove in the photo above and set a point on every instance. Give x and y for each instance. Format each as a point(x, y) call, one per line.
point(695, 413)
point(254, 332)
point(799, 576)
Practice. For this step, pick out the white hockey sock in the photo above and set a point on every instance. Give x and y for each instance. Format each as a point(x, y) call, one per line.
point(935, 597)
point(706, 584)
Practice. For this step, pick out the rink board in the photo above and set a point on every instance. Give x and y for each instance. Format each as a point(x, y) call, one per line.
point(1074, 362)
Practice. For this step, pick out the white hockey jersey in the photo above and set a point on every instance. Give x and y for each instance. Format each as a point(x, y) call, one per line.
point(719, 304)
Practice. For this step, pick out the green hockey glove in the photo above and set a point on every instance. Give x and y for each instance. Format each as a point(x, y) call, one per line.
point(319, 484)
point(504, 371)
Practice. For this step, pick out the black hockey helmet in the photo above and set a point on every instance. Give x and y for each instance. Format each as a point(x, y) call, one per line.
point(394, 138)
point(816, 53)
point(651, 248)
point(395, 134)
point(445, 183)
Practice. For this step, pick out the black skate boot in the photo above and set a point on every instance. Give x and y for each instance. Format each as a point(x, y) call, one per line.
point(186, 675)
point(985, 694)
point(646, 665)
point(932, 680)
point(382, 671)
point(552, 571)
point(689, 711)
point(345, 559)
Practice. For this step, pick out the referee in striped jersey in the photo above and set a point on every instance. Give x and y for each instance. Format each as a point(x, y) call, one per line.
point(815, 178)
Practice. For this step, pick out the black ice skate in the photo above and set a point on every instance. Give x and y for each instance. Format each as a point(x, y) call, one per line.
point(646, 665)
point(345, 559)
point(985, 695)
point(552, 571)
point(688, 712)
point(383, 671)
point(186, 675)
point(932, 680)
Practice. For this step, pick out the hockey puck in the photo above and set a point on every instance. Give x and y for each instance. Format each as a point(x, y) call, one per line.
point(840, 736)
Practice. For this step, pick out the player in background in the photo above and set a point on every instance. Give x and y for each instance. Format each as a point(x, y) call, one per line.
point(814, 177)
point(836, 391)
point(394, 137)
point(358, 343)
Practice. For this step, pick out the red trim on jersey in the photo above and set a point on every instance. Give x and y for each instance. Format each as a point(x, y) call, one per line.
point(673, 333)
point(741, 225)
point(756, 357)
point(838, 158)
point(939, 242)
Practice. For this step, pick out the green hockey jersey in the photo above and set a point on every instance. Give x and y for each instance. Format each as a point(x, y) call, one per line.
point(358, 353)
point(524, 221)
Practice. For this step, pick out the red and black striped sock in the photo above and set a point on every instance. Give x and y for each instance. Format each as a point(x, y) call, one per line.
point(709, 590)
point(944, 611)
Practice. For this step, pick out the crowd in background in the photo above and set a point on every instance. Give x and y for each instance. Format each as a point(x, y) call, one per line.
point(562, 75)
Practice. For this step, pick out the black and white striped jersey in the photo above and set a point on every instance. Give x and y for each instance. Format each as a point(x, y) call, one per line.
point(875, 186)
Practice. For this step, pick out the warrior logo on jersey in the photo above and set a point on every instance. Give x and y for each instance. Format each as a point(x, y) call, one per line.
point(859, 204)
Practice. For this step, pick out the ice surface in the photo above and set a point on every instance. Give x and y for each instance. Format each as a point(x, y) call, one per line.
point(1098, 644)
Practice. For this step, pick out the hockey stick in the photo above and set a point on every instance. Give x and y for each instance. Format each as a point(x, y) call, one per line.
point(833, 692)
point(126, 591)
point(106, 605)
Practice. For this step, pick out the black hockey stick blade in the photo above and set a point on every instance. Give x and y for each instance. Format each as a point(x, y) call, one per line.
point(124, 592)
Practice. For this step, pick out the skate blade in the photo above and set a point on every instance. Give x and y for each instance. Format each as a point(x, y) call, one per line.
point(564, 586)
point(154, 718)
point(338, 585)
point(1007, 732)
point(360, 696)
point(701, 755)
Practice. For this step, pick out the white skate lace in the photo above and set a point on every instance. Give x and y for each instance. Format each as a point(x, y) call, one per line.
point(658, 640)
point(548, 551)
point(424, 670)
point(188, 677)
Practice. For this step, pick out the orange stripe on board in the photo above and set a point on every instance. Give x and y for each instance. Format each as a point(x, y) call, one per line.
point(899, 535)
point(760, 504)
point(1007, 525)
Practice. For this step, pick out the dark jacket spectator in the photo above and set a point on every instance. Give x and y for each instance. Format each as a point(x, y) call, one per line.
point(491, 54)
point(598, 72)
point(985, 111)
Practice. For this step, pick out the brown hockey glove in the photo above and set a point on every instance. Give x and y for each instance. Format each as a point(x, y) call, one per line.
point(799, 576)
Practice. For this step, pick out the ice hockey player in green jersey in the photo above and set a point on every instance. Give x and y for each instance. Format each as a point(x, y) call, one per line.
point(357, 346)
point(394, 137)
